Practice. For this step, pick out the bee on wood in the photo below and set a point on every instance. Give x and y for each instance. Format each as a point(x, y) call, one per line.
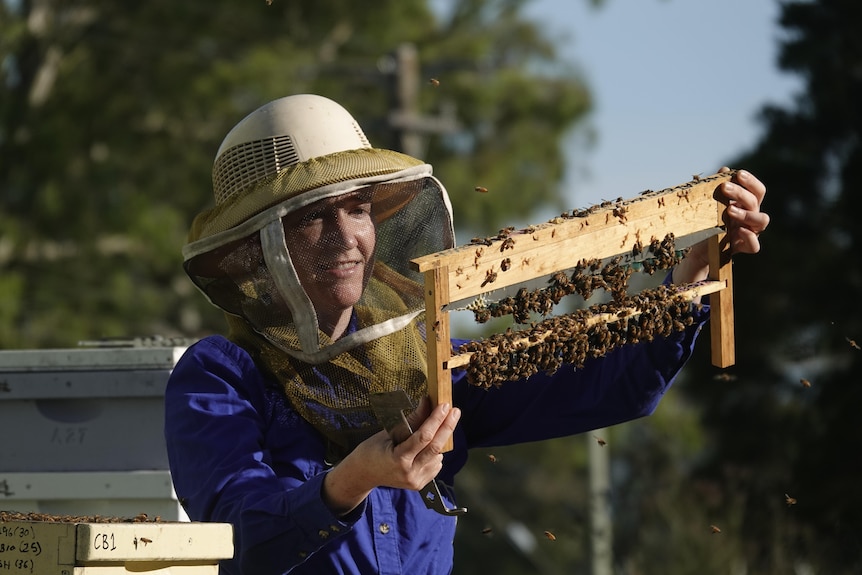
point(481, 189)
point(505, 264)
point(490, 277)
point(507, 244)
point(144, 540)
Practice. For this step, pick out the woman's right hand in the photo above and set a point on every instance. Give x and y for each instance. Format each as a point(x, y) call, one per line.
point(409, 463)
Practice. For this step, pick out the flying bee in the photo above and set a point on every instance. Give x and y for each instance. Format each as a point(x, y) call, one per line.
point(805, 382)
point(600, 441)
point(715, 529)
point(789, 500)
point(852, 343)
point(492, 458)
point(487, 531)
point(550, 536)
point(434, 82)
point(144, 540)
point(481, 189)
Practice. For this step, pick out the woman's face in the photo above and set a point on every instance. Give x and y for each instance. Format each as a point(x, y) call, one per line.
point(331, 243)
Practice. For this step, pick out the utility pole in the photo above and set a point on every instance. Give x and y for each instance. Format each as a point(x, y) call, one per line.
point(601, 523)
point(409, 124)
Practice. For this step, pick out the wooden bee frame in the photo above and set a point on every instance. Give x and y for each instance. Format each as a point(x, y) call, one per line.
point(604, 231)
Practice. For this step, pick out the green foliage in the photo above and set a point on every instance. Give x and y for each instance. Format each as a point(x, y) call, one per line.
point(111, 114)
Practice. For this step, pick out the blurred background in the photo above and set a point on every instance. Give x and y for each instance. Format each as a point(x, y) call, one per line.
point(111, 114)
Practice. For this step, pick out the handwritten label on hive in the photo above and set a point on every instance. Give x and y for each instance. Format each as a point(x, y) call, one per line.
point(28, 548)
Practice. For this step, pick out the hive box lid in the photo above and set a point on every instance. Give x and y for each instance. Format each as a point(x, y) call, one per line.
point(88, 359)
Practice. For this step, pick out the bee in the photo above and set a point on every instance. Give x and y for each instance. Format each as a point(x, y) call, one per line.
point(724, 377)
point(490, 277)
point(492, 458)
point(661, 202)
point(507, 244)
point(436, 329)
point(144, 540)
point(805, 382)
point(789, 500)
point(487, 531)
point(852, 343)
point(715, 529)
point(434, 82)
point(600, 441)
point(695, 177)
point(481, 189)
point(505, 264)
point(550, 536)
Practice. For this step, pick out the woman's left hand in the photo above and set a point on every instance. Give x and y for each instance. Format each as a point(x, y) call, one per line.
point(743, 195)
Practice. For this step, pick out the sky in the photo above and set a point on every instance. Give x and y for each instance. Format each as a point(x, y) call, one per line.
point(677, 85)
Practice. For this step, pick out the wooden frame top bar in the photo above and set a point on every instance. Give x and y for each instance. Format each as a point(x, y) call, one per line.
point(607, 230)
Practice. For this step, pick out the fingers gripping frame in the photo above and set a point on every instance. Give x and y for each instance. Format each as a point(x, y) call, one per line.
point(618, 228)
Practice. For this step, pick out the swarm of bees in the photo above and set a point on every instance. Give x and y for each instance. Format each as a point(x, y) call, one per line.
point(573, 338)
point(9, 516)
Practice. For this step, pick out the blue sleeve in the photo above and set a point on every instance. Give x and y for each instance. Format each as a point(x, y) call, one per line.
point(216, 425)
point(625, 384)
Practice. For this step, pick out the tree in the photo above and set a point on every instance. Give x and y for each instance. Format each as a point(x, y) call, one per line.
point(785, 429)
point(111, 114)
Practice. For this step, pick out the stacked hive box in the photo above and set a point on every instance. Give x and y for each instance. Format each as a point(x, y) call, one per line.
point(82, 431)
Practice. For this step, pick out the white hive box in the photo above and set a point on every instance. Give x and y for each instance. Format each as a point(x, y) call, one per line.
point(71, 547)
point(83, 431)
point(106, 493)
point(84, 409)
